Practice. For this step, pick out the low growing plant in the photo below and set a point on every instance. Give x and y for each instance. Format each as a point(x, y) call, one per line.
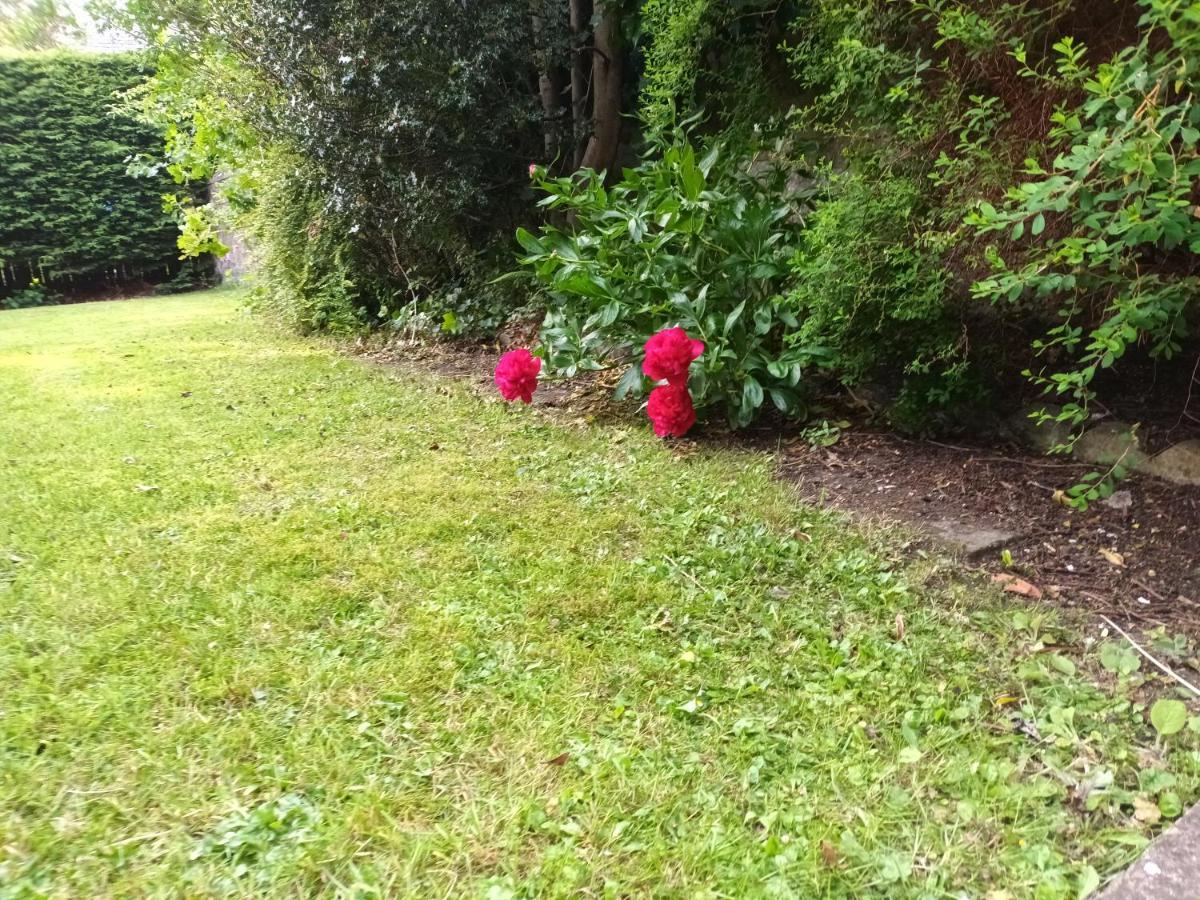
point(33, 294)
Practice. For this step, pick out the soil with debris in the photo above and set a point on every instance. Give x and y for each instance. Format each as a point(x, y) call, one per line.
point(1134, 558)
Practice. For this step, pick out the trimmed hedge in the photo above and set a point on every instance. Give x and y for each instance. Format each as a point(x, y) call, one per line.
point(70, 214)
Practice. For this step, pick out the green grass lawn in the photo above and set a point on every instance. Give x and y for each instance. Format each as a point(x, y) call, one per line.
point(278, 622)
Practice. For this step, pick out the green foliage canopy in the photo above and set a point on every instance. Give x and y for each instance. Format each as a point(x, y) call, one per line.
point(70, 213)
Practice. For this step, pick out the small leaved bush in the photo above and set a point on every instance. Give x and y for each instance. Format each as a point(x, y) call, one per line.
point(71, 216)
point(872, 288)
point(695, 240)
point(1106, 231)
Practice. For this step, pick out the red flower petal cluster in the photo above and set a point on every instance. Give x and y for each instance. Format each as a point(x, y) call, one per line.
point(668, 355)
point(517, 374)
point(670, 409)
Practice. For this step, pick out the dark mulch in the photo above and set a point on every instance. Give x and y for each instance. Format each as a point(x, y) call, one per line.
point(1149, 577)
point(1136, 559)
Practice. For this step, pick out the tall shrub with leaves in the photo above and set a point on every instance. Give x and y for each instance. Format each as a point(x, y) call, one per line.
point(710, 56)
point(70, 214)
point(1106, 232)
point(698, 241)
point(869, 284)
point(414, 122)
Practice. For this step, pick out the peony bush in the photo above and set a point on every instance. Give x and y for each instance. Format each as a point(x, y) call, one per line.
point(703, 242)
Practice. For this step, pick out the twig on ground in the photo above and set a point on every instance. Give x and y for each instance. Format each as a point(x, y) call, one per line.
point(1149, 590)
point(685, 573)
point(1160, 665)
point(1022, 462)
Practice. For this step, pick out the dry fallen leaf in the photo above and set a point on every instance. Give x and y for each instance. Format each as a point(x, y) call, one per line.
point(559, 760)
point(899, 627)
point(1145, 810)
point(1014, 585)
point(1113, 557)
point(830, 854)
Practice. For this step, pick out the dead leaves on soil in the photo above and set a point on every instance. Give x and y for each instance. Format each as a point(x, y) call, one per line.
point(1014, 585)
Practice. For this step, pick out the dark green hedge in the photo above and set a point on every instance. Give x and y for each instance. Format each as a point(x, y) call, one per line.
point(69, 212)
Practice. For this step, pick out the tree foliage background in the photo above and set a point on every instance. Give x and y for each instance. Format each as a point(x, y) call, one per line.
point(71, 214)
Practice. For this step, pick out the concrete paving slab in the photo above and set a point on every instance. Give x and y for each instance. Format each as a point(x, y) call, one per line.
point(1168, 870)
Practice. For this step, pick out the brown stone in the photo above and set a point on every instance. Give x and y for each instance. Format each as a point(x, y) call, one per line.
point(1179, 464)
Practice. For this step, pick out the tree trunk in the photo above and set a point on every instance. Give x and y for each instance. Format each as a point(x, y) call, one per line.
point(601, 150)
point(581, 62)
point(550, 88)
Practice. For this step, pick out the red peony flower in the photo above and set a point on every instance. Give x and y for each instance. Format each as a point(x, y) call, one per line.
point(668, 355)
point(517, 374)
point(670, 409)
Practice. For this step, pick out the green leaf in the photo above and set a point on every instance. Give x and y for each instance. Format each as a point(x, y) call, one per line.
point(1062, 664)
point(1089, 882)
point(530, 243)
point(1119, 659)
point(1170, 805)
point(608, 314)
point(732, 318)
point(894, 867)
point(631, 381)
point(693, 180)
point(752, 393)
point(1168, 716)
point(1038, 226)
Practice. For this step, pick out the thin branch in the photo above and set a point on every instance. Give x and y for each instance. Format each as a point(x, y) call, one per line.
point(1161, 666)
point(1187, 403)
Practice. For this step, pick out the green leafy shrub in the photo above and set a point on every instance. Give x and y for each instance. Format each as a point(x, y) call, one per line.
point(1106, 231)
point(702, 243)
point(307, 272)
point(70, 214)
point(870, 287)
point(697, 56)
point(33, 294)
point(376, 152)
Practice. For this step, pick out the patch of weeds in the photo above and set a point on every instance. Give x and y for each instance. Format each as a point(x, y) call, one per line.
point(253, 842)
point(824, 433)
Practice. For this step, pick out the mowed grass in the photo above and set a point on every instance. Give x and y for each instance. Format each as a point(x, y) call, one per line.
point(274, 622)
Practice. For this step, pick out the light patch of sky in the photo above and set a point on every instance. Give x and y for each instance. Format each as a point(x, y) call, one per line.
point(96, 38)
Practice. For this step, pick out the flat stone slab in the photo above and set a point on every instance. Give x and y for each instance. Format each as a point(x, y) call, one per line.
point(1168, 870)
point(970, 540)
point(1180, 463)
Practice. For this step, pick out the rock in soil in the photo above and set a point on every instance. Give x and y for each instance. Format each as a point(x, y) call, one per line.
point(1180, 463)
